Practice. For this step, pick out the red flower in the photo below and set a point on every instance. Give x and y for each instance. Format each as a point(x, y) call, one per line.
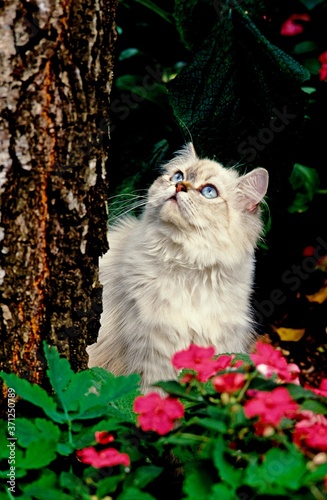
point(271, 407)
point(200, 359)
point(311, 432)
point(156, 413)
point(308, 251)
point(228, 382)
point(103, 437)
point(105, 458)
point(321, 391)
point(291, 27)
point(269, 361)
point(323, 69)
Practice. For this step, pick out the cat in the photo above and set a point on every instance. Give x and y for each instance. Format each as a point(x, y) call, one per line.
point(182, 273)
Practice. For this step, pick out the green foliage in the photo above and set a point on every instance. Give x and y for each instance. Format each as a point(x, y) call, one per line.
point(216, 105)
point(305, 182)
point(80, 404)
point(215, 446)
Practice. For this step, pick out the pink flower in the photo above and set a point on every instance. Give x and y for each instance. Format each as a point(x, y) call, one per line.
point(291, 27)
point(323, 69)
point(225, 361)
point(311, 432)
point(271, 407)
point(103, 437)
point(269, 361)
point(323, 72)
point(323, 58)
point(200, 359)
point(105, 458)
point(156, 413)
point(228, 382)
point(321, 391)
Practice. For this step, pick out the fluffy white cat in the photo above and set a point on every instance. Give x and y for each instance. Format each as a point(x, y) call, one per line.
point(183, 272)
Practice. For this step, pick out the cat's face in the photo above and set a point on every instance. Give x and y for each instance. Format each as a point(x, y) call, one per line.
point(201, 200)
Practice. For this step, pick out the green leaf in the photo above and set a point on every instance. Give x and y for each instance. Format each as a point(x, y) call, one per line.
point(304, 47)
point(81, 393)
point(28, 431)
point(311, 4)
point(176, 389)
point(122, 408)
point(40, 453)
point(145, 474)
point(185, 439)
point(190, 32)
point(227, 471)
point(315, 406)
point(135, 85)
point(45, 488)
point(312, 64)
point(309, 90)
point(209, 423)
point(105, 389)
point(34, 394)
point(284, 468)
point(316, 475)
point(134, 494)
point(108, 485)
point(197, 483)
point(243, 357)
point(223, 492)
point(305, 182)
point(74, 485)
point(65, 448)
point(19, 472)
point(298, 392)
point(127, 53)
point(281, 471)
point(3, 442)
point(60, 373)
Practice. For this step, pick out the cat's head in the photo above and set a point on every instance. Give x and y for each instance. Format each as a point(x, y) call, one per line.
point(210, 210)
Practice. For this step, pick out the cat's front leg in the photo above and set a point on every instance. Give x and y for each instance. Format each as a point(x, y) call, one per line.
point(151, 358)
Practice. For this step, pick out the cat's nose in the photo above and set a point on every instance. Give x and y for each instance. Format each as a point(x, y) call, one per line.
point(180, 186)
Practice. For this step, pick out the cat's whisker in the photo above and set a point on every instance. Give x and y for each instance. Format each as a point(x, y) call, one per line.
point(128, 195)
point(125, 201)
point(129, 206)
point(125, 208)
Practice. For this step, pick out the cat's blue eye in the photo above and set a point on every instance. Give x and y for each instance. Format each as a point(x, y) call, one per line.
point(209, 192)
point(178, 177)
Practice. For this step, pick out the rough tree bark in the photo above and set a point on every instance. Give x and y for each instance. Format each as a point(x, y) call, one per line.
point(55, 79)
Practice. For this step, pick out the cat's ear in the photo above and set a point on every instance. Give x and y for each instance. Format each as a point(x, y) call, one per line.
point(252, 188)
point(189, 150)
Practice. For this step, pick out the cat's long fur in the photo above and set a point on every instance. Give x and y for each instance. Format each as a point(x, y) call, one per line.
point(181, 273)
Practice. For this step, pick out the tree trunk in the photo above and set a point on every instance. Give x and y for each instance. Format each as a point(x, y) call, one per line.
point(55, 79)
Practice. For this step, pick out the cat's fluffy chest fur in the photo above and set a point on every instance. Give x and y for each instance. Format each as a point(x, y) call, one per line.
point(182, 273)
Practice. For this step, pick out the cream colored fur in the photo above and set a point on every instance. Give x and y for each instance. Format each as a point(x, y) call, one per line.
point(181, 273)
